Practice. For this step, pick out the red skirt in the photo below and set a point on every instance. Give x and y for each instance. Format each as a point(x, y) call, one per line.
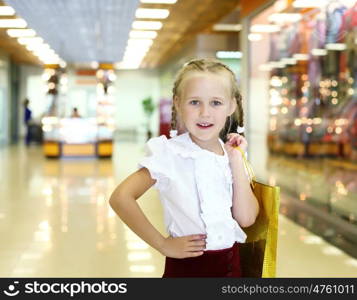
point(212, 263)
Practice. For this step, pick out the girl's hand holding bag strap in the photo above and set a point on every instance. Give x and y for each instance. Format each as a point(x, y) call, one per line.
point(258, 253)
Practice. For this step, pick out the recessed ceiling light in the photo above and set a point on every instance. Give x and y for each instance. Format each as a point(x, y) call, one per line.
point(229, 54)
point(145, 34)
point(6, 11)
point(227, 27)
point(38, 47)
point(159, 1)
point(21, 32)
point(151, 13)
point(151, 25)
point(30, 40)
point(284, 17)
point(140, 42)
point(264, 28)
point(12, 23)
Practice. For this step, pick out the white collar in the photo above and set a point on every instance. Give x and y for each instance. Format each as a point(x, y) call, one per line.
point(184, 146)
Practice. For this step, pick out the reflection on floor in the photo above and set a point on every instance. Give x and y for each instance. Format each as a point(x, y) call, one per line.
point(320, 195)
point(55, 222)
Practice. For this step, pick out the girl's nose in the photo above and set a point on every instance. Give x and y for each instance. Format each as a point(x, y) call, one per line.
point(204, 112)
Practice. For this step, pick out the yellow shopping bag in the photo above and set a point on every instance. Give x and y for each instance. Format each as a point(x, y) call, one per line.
point(258, 253)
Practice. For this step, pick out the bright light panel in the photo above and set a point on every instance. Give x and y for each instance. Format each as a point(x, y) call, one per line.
point(133, 51)
point(21, 32)
point(151, 13)
point(12, 23)
point(151, 25)
point(159, 1)
point(140, 42)
point(264, 28)
point(6, 11)
point(30, 40)
point(143, 34)
point(284, 17)
point(227, 27)
point(229, 54)
point(35, 47)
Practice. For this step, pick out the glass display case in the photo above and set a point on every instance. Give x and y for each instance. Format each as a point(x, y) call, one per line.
point(76, 137)
point(68, 133)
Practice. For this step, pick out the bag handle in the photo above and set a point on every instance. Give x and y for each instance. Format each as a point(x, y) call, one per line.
point(248, 166)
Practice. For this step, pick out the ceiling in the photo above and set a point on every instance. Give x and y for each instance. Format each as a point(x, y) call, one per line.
point(80, 30)
point(93, 30)
point(187, 19)
point(17, 52)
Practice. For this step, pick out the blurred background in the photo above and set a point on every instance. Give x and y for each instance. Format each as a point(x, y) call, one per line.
point(85, 83)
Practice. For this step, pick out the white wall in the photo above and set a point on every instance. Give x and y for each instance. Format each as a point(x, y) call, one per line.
point(168, 71)
point(34, 88)
point(257, 104)
point(4, 98)
point(132, 86)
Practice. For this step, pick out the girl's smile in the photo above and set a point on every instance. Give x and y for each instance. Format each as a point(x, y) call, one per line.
point(204, 125)
point(204, 105)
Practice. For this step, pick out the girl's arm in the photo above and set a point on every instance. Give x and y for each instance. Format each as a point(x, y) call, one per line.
point(123, 202)
point(245, 206)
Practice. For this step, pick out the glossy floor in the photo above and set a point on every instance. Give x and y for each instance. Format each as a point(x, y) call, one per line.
point(55, 222)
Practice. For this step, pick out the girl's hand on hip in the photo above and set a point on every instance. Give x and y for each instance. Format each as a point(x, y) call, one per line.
point(184, 246)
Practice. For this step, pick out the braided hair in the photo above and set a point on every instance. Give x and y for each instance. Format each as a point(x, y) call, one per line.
point(213, 66)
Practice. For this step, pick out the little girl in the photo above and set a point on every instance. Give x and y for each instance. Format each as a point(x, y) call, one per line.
point(204, 188)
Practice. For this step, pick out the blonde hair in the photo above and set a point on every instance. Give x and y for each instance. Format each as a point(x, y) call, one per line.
point(213, 66)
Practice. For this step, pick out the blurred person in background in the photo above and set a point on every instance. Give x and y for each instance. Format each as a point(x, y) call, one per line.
point(75, 113)
point(27, 121)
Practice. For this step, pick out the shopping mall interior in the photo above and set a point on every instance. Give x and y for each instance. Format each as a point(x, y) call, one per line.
point(84, 84)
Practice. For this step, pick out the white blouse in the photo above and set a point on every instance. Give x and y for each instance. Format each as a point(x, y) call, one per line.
point(195, 187)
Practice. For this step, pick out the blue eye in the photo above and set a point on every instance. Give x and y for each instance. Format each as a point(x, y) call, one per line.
point(194, 102)
point(216, 102)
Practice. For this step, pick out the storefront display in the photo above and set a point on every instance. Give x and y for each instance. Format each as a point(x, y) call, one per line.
point(302, 102)
point(313, 80)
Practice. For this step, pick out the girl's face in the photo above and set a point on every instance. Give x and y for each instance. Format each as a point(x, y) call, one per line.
point(204, 104)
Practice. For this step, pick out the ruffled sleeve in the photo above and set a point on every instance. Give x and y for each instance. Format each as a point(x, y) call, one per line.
point(158, 160)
